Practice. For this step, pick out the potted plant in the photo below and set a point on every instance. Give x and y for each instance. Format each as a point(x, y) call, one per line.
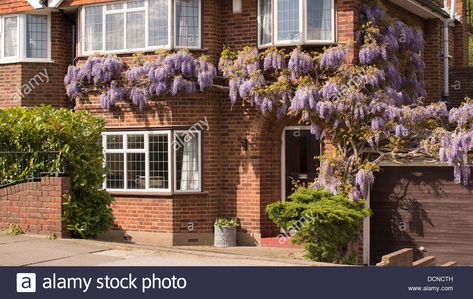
point(225, 232)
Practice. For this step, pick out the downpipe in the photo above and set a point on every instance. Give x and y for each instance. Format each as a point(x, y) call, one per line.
point(446, 54)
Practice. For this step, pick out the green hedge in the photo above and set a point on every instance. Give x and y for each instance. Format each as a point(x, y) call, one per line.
point(77, 136)
point(324, 223)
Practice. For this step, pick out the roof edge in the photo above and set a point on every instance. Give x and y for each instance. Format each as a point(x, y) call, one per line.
point(37, 4)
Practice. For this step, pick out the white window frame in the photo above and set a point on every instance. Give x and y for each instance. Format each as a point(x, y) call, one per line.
point(21, 55)
point(174, 20)
point(302, 27)
point(171, 28)
point(199, 148)
point(172, 173)
point(275, 37)
point(320, 42)
point(9, 59)
point(28, 59)
point(260, 24)
point(126, 151)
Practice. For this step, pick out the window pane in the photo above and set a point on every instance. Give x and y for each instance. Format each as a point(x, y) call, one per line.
point(115, 166)
point(288, 20)
point(93, 28)
point(135, 30)
point(114, 6)
point(265, 22)
point(114, 141)
point(158, 22)
point(136, 174)
point(135, 4)
point(36, 36)
point(11, 37)
point(319, 19)
point(114, 31)
point(136, 141)
point(158, 159)
point(187, 162)
point(187, 23)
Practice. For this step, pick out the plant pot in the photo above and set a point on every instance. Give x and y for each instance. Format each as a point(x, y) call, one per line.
point(225, 236)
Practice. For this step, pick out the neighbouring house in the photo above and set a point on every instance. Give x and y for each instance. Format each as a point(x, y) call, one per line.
point(237, 161)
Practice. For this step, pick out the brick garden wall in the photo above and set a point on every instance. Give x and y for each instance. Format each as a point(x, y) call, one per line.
point(35, 206)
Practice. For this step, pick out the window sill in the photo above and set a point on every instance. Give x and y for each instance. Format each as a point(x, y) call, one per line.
point(281, 45)
point(129, 52)
point(155, 194)
point(16, 61)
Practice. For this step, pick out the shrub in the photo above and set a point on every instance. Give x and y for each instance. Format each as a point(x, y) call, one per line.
point(77, 136)
point(324, 223)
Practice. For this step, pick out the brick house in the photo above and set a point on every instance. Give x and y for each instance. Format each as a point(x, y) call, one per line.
point(238, 161)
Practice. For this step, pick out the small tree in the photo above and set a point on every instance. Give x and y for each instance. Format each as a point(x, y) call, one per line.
point(325, 223)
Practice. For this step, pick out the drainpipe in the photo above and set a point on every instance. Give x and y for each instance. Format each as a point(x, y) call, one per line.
point(446, 25)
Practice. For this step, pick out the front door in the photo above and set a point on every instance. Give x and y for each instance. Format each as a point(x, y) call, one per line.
point(300, 150)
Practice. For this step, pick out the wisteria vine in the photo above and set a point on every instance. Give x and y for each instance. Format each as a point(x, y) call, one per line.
point(370, 110)
point(171, 72)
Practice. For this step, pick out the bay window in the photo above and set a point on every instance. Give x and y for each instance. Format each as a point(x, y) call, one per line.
point(141, 25)
point(153, 161)
point(24, 37)
point(290, 22)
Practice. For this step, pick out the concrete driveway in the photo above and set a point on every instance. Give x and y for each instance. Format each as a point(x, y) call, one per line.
point(38, 251)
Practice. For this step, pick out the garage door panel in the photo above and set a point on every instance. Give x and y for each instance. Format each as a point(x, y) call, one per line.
point(422, 206)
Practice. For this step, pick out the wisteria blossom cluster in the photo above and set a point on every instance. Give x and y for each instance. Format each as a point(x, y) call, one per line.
point(96, 73)
point(171, 73)
point(370, 109)
point(394, 47)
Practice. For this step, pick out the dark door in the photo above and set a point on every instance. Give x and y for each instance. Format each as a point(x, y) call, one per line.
point(421, 208)
point(301, 150)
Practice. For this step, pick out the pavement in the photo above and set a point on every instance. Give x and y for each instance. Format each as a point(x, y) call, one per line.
point(26, 250)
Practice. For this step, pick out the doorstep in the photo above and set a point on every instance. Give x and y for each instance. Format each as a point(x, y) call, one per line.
point(278, 243)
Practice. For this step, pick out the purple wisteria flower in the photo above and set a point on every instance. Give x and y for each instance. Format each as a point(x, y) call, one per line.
point(334, 57)
point(300, 63)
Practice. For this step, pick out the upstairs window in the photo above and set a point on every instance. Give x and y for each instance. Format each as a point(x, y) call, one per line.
point(141, 25)
point(290, 22)
point(24, 37)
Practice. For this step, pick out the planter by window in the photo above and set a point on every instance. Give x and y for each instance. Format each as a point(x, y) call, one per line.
point(225, 232)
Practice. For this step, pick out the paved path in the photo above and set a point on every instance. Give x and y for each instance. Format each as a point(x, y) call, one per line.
point(39, 251)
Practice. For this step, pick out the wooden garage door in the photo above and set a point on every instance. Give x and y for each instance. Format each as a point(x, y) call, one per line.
point(422, 207)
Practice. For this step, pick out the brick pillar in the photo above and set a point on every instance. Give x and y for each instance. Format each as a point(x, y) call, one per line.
point(460, 33)
point(433, 58)
point(347, 22)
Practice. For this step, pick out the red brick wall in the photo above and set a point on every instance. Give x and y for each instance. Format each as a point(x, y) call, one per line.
point(461, 85)
point(433, 74)
point(10, 83)
point(35, 206)
point(460, 37)
point(149, 214)
point(347, 22)
point(54, 92)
